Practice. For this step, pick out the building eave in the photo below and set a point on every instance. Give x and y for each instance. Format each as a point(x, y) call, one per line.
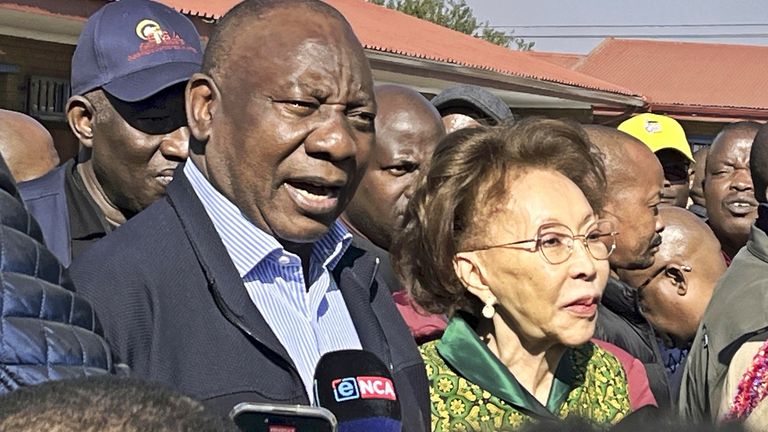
point(385, 61)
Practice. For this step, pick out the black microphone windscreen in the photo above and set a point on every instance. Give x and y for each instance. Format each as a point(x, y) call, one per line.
point(358, 388)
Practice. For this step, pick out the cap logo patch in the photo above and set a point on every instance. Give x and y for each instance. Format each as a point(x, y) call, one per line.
point(148, 29)
point(652, 126)
point(156, 39)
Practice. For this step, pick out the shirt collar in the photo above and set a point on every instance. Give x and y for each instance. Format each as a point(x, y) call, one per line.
point(248, 245)
point(462, 349)
point(86, 220)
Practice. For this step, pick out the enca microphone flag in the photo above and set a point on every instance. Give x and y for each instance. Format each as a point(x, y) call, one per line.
point(359, 390)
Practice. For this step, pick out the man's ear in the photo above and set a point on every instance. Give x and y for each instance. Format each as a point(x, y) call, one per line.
point(80, 114)
point(469, 270)
point(682, 284)
point(202, 99)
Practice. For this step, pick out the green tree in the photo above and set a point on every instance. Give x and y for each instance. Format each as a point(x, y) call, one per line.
point(456, 15)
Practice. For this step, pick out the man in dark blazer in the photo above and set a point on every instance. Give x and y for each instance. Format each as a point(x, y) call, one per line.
point(232, 286)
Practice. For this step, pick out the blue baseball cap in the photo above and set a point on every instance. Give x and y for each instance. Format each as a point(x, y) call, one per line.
point(135, 48)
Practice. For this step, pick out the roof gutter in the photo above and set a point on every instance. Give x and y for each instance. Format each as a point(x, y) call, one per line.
point(700, 113)
point(486, 78)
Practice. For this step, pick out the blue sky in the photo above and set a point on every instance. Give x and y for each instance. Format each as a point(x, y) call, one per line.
point(668, 15)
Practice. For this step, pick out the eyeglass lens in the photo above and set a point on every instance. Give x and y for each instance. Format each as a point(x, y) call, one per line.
point(556, 242)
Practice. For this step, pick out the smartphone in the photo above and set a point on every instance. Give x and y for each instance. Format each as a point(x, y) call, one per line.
point(260, 417)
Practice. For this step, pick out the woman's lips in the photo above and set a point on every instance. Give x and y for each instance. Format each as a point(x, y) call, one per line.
point(584, 307)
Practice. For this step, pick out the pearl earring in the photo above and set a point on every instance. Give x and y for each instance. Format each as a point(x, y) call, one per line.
point(488, 310)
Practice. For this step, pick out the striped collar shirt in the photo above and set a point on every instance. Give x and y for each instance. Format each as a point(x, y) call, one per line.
point(307, 322)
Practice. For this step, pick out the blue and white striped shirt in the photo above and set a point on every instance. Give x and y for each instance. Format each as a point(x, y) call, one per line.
point(308, 323)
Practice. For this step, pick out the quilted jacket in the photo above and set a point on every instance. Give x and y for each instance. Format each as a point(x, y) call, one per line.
point(47, 332)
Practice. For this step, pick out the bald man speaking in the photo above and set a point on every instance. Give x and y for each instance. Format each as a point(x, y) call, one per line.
point(736, 314)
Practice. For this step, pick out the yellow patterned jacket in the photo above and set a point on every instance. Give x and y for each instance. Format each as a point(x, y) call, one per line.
point(471, 390)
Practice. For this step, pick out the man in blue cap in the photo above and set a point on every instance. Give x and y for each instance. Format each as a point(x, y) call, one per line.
point(129, 72)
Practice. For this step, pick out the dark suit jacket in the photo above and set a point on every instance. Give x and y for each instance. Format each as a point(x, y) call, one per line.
point(175, 309)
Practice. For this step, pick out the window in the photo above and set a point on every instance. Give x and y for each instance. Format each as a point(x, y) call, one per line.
point(47, 97)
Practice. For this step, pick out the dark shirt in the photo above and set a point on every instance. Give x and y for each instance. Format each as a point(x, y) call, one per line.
point(619, 322)
point(386, 271)
point(86, 222)
point(424, 326)
point(68, 216)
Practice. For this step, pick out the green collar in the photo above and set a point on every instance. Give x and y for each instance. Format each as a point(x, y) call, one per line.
point(462, 349)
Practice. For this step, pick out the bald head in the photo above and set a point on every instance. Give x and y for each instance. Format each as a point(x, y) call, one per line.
point(404, 111)
point(245, 14)
point(675, 291)
point(26, 146)
point(686, 236)
point(635, 180)
point(408, 128)
point(625, 158)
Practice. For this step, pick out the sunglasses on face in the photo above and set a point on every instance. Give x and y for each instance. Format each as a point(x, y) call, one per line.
point(676, 174)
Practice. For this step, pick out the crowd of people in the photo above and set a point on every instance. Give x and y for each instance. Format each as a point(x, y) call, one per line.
point(237, 212)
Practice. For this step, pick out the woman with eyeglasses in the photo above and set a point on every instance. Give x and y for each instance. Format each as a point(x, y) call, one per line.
point(502, 235)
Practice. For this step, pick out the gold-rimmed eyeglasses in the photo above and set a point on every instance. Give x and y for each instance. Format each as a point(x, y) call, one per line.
point(555, 241)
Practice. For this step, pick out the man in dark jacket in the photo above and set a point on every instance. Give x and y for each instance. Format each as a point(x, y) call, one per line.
point(408, 129)
point(635, 180)
point(232, 286)
point(47, 332)
point(737, 312)
point(129, 70)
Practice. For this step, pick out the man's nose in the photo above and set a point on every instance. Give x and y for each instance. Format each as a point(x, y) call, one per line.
point(332, 138)
point(742, 181)
point(175, 145)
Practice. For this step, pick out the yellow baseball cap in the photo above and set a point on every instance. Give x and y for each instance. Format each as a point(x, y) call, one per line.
point(658, 132)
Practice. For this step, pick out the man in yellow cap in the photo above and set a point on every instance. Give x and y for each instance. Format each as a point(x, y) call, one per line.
point(666, 138)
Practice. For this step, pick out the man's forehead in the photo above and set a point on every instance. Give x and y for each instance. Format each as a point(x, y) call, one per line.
point(301, 59)
point(734, 146)
point(287, 28)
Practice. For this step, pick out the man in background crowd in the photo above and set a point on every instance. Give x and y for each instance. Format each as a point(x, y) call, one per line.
point(666, 139)
point(635, 180)
point(728, 189)
point(408, 129)
point(467, 106)
point(232, 286)
point(698, 202)
point(674, 292)
point(129, 70)
point(26, 146)
point(737, 312)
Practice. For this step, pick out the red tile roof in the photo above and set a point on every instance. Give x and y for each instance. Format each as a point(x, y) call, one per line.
point(386, 30)
point(701, 76)
point(567, 60)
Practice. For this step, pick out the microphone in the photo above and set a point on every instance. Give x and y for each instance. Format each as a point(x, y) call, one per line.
point(359, 390)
